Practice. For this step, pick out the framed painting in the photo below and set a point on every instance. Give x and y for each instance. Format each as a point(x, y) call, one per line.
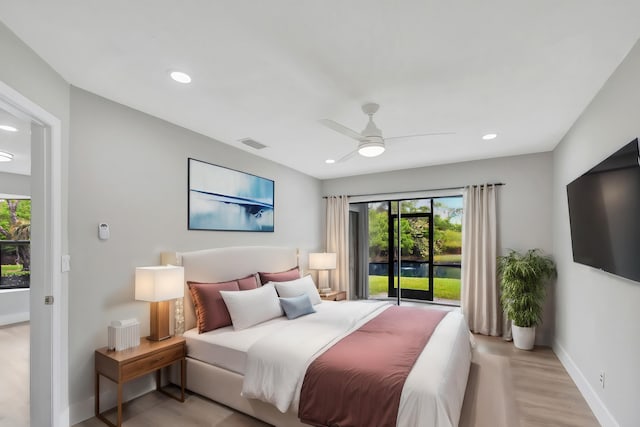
point(225, 199)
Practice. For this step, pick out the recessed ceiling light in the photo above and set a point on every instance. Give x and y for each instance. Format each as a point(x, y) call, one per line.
point(8, 128)
point(180, 77)
point(329, 161)
point(489, 136)
point(5, 157)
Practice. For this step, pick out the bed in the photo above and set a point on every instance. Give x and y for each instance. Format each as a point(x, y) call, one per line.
point(223, 361)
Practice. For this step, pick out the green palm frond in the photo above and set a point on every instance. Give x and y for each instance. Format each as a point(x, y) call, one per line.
point(523, 279)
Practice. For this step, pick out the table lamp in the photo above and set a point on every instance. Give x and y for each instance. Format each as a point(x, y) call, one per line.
point(322, 261)
point(159, 284)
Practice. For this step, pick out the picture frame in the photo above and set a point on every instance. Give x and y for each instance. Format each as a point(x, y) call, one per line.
point(224, 199)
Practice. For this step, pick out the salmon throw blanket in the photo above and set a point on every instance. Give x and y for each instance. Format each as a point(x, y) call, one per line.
point(359, 380)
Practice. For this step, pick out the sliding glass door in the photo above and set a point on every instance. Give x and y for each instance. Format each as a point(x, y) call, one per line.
point(414, 249)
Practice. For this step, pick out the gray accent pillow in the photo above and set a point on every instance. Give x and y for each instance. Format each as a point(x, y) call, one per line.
point(297, 306)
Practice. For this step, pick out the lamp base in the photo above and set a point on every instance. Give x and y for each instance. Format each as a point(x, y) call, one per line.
point(323, 279)
point(159, 321)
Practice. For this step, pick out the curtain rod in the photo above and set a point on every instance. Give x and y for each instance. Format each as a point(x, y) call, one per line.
point(498, 184)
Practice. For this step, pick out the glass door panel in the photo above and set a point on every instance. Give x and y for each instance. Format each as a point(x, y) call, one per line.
point(378, 217)
point(416, 256)
point(414, 274)
point(447, 258)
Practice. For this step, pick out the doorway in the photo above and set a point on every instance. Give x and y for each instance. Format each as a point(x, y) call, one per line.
point(48, 355)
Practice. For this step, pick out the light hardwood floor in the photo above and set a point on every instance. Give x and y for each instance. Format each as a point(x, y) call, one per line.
point(507, 388)
point(515, 387)
point(14, 372)
point(544, 392)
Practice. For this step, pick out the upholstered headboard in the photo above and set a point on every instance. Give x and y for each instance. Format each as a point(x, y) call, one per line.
point(223, 264)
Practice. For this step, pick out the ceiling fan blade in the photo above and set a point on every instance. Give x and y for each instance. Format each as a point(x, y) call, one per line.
point(396, 138)
point(342, 129)
point(347, 157)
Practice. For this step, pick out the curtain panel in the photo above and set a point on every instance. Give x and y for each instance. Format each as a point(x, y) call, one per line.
point(337, 237)
point(480, 297)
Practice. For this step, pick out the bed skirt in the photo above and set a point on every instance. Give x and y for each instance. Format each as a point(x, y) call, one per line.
point(223, 386)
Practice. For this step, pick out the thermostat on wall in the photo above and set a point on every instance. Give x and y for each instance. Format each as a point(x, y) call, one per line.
point(103, 231)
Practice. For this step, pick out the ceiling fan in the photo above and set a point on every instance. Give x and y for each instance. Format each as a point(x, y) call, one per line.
point(370, 141)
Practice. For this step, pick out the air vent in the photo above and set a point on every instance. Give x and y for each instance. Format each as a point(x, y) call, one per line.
point(253, 143)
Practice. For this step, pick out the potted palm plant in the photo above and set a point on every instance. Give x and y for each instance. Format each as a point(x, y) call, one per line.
point(523, 279)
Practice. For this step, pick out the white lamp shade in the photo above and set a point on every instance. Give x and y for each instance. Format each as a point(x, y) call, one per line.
point(159, 283)
point(322, 261)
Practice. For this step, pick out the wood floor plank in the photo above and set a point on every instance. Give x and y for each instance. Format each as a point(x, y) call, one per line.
point(545, 394)
point(14, 371)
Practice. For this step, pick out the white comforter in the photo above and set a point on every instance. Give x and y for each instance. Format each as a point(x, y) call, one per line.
point(432, 394)
point(276, 364)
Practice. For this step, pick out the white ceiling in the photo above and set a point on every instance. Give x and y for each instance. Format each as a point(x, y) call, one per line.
point(270, 70)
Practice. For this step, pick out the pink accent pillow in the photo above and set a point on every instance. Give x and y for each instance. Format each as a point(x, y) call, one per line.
point(283, 276)
point(248, 283)
point(211, 311)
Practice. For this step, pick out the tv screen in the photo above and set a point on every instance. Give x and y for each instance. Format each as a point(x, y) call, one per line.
point(604, 213)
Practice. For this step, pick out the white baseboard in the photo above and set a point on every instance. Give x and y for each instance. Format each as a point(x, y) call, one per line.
point(64, 417)
point(596, 404)
point(9, 319)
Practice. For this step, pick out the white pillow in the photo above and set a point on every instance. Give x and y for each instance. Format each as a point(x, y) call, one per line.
point(295, 288)
point(248, 308)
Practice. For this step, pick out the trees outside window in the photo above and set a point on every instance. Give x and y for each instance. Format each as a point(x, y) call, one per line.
point(15, 234)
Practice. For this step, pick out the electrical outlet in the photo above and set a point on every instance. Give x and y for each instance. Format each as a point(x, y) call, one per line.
point(602, 378)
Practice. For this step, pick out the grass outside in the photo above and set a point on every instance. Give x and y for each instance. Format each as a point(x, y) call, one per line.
point(442, 288)
point(447, 258)
point(11, 269)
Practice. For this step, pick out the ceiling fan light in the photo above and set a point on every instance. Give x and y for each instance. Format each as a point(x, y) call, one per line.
point(371, 149)
point(5, 157)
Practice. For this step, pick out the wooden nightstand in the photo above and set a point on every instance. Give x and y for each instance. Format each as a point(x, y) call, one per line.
point(334, 296)
point(125, 365)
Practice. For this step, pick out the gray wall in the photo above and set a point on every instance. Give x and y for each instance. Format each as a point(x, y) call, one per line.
point(12, 183)
point(598, 314)
point(524, 203)
point(130, 170)
point(14, 306)
point(27, 73)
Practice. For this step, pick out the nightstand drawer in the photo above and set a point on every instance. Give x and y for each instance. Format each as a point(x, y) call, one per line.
point(334, 296)
point(151, 362)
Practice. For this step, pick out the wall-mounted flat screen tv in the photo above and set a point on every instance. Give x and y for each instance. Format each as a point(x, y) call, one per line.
point(604, 212)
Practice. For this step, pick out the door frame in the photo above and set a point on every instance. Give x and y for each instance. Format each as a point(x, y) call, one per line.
point(395, 241)
point(51, 332)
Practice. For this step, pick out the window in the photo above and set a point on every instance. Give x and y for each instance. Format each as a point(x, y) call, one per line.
point(15, 235)
point(414, 249)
